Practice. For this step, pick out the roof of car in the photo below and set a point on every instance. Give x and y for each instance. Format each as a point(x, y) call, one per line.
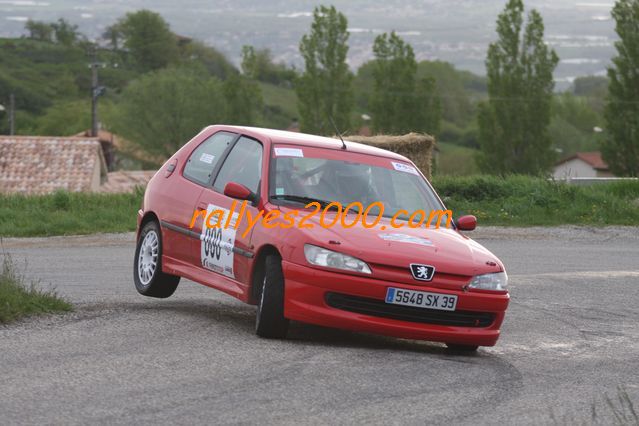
point(303, 139)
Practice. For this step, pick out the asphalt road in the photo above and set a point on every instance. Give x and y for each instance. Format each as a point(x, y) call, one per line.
point(570, 339)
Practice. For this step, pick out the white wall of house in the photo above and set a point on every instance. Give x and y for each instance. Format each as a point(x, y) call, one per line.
point(574, 168)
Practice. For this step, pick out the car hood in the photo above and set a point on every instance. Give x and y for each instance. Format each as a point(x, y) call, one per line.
point(390, 251)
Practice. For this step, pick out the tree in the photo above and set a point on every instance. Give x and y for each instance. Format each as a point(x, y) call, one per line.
point(113, 35)
point(164, 109)
point(65, 33)
point(40, 31)
point(401, 103)
point(594, 89)
point(243, 100)
point(513, 124)
point(620, 148)
point(324, 89)
point(64, 118)
point(214, 61)
point(428, 104)
point(392, 104)
point(258, 64)
point(61, 31)
point(149, 40)
point(572, 124)
point(250, 65)
point(460, 88)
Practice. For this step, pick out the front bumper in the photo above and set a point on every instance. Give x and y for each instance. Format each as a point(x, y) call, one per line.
point(306, 294)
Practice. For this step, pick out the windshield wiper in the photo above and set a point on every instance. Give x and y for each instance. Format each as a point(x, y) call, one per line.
point(303, 199)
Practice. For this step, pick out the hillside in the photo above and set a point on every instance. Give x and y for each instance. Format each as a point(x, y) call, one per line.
point(52, 84)
point(46, 77)
point(581, 31)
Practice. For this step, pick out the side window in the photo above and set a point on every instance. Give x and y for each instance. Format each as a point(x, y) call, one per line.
point(205, 157)
point(243, 165)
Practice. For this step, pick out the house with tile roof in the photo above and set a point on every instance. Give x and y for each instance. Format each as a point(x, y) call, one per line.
point(126, 180)
point(43, 164)
point(582, 165)
point(115, 148)
point(110, 143)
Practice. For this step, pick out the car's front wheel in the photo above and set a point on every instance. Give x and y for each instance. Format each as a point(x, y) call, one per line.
point(147, 266)
point(270, 321)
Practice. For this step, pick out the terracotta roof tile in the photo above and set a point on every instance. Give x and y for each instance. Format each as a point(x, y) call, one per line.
point(592, 158)
point(41, 164)
point(103, 136)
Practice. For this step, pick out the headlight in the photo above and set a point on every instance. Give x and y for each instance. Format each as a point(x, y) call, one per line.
point(497, 281)
point(322, 257)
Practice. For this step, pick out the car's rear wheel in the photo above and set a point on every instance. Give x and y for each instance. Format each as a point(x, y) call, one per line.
point(461, 348)
point(270, 321)
point(147, 266)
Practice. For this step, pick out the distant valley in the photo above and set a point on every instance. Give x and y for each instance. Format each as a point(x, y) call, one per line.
point(457, 31)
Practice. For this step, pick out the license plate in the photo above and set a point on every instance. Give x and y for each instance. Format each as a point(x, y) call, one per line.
point(421, 299)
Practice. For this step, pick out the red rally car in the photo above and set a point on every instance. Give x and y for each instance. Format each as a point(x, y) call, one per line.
point(429, 283)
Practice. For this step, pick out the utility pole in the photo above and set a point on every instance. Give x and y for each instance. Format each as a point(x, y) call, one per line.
point(96, 92)
point(94, 98)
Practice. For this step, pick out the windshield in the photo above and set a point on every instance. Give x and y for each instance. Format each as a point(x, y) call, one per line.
point(396, 185)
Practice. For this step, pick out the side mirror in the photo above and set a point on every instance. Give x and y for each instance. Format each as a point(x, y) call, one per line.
point(239, 191)
point(466, 223)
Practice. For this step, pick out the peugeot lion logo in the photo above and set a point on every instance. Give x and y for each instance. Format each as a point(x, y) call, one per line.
point(422, 272)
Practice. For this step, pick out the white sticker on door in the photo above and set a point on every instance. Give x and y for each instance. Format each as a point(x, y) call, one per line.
point(216, 248)
point(207, 158)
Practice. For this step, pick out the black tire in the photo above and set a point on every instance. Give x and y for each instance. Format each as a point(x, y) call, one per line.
point(152, 282)
point(453, 347)
point(270, 322)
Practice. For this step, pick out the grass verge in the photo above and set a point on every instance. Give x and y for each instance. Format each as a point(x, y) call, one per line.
point(511, 201)
point(527, 201)
point(455, 160)
point(19, 298)
point(64, 213)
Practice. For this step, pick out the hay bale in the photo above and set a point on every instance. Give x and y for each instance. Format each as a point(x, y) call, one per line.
point(416, 146)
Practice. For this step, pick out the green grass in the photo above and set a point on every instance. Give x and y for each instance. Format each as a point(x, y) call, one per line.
point(63, 213)
point(511, 201)
point(526, 201)
point(19, 298)
point(455, 160)
point(281, 105)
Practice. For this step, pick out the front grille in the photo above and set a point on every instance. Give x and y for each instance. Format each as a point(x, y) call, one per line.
point(379, 308)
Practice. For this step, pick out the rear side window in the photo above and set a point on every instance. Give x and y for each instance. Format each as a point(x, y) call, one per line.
point(243, 165)
point(206, 156)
